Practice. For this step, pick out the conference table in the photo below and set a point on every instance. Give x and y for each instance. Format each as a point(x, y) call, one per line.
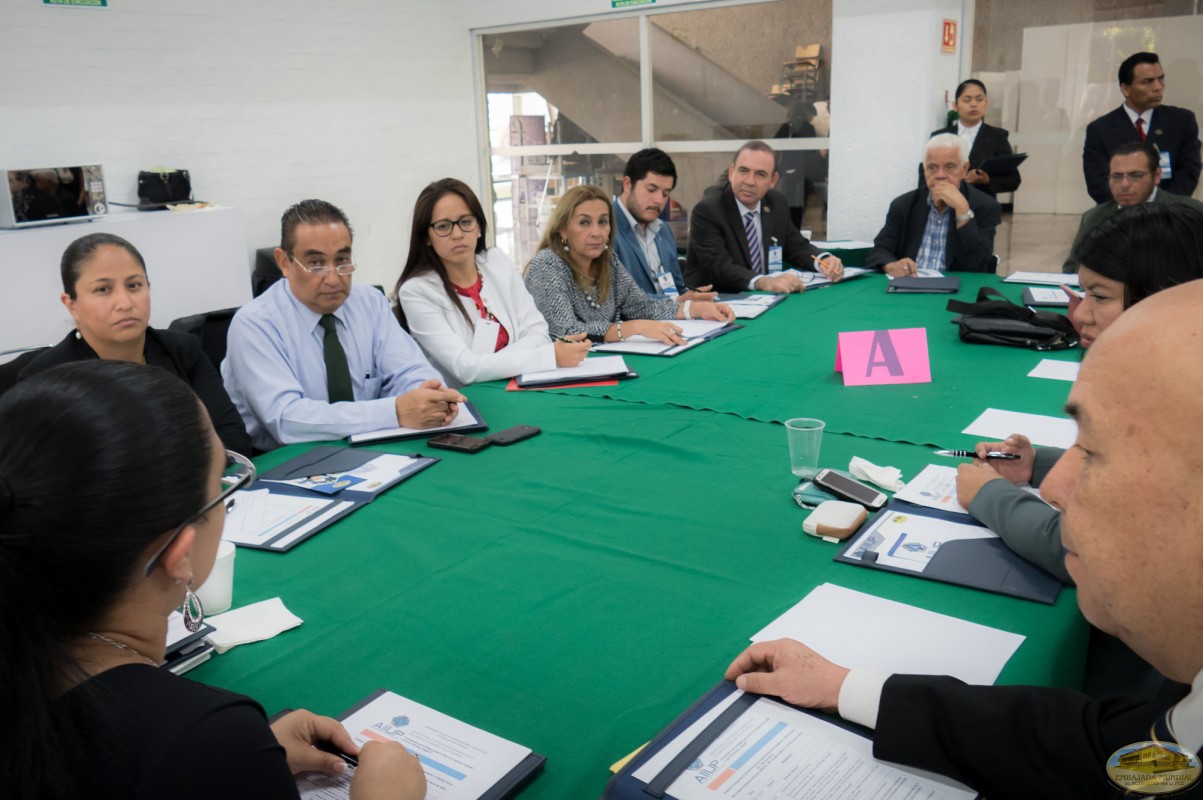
point(575, 592)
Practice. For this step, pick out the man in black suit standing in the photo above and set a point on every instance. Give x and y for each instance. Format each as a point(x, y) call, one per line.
point(740, 228)
point(946, 224)
point(1142, 118)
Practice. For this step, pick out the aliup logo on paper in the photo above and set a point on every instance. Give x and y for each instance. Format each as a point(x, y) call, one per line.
point(1154, 768)
point(394, 728)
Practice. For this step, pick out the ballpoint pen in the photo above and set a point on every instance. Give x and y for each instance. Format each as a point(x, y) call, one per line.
point(994, 454)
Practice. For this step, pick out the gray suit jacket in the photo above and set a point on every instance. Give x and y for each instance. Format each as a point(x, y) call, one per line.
point(1104, 211)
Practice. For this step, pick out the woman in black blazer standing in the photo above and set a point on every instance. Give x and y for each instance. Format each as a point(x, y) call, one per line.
point(984, 140)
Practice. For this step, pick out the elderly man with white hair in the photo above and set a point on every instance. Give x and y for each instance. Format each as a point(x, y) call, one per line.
point(945, 225)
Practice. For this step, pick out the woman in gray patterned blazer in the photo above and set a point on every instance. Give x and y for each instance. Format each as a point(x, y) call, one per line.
point(580, 286)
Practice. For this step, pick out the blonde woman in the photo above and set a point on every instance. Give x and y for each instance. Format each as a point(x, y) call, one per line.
point(580, 286)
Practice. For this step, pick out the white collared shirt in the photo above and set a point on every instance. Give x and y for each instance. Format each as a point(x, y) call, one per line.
point(1146, 115)
point(646, 237)
point(743, 213)
point(967, 133)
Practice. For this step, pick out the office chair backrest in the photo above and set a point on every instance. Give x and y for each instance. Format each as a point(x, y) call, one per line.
point(9, 370)
point(211, 328)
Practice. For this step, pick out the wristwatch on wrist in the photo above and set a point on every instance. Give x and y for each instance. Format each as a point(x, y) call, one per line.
point(968, 215)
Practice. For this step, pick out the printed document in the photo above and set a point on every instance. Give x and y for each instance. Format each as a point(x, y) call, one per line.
point(852, 628)
point(934, 487)
point(911, 541)
point(463, 419)
point(461, 762)
point(773, 750)
point(596, 367)
point(258, 517)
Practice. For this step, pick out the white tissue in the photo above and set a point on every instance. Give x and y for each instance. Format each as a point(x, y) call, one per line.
point(253, 623)
point(888, 478)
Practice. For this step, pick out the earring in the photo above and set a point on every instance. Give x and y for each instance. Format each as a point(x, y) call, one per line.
point(194, 612)
point(78, 336)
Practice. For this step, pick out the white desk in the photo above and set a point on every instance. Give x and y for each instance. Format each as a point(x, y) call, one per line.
point(196, 261)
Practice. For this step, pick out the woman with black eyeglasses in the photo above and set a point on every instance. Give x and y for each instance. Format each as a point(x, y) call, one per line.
point(464, 302)
point(101, 537)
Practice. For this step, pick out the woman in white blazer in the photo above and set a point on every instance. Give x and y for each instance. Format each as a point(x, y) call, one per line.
point(464, 303)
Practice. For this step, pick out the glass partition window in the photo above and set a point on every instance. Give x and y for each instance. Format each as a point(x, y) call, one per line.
point(566, 105)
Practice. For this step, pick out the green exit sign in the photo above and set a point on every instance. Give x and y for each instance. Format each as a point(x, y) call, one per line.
point(630, 3)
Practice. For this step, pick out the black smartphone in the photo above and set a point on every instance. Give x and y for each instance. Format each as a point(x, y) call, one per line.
point(458, 442)
point(515, 434)
point(848, 489)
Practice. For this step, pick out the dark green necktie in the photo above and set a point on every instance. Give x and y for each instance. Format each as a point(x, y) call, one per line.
point(338, 374)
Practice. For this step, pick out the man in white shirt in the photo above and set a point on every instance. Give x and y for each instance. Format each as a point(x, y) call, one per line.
point(1132, 523)
point(316, 358)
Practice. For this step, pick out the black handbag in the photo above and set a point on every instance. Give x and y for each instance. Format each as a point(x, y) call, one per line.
point(157, 188)
point(999, 321)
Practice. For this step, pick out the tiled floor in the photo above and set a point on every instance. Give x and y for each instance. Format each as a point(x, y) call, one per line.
point(1034, 242)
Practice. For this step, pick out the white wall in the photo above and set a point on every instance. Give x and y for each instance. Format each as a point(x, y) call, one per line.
point(887, 96)
point(266, 102)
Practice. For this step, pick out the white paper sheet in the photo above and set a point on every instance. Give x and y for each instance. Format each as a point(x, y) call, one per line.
point(257, 515)
point(911, 541)
point(1042, 296)
point(640, 345)
point(776, 751)
point(997, 425)
point(816, 279)
point(253, 623)
point(463, 419)
point(1043, 278)
point(934, 487)
point(857, 629)
point(747, 310)
point(461, 762)
point(847, 244)
point(597, 366)
point(1056, 370)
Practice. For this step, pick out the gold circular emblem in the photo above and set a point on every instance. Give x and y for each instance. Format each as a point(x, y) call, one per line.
point(1154, 768)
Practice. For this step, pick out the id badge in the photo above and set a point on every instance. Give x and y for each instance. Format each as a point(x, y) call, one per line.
point(667, 285)
point(1167, 166)
point(775, 261)
point(484, 336)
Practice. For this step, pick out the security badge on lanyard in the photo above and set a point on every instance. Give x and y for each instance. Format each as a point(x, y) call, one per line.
point(1167, 166)
point(775, 260)
point(666, 283)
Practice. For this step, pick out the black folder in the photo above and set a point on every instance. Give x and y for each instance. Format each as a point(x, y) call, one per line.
point(986, 564)
point(947, 285)
point(330, 460)
point(997, 166)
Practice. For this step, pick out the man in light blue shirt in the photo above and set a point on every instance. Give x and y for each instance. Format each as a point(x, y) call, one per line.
point(316, 358)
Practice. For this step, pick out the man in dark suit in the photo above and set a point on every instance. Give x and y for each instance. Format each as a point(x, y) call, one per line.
point(1136, 580)
point(1134, 178)
point(944, 225)
point(1142, 118)
point(986, 141)
point(740, 229)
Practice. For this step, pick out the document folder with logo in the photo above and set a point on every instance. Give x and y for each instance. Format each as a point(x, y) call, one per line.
point(948, 547)
point(731, 744)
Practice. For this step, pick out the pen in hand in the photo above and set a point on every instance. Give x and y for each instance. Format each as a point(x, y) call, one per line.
point(994, 454)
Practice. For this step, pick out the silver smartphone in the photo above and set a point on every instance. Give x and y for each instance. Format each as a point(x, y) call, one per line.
point(849, 489)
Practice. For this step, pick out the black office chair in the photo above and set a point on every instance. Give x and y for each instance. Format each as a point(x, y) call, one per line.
point(211, 328)
point(265, 272)
point(10, 370)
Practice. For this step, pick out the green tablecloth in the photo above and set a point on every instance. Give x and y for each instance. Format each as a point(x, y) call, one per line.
point(576, 591)
point(781, 365)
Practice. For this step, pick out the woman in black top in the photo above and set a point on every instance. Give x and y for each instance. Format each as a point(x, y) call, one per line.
point(107, 292)
point(100, 538)
point(971, 105)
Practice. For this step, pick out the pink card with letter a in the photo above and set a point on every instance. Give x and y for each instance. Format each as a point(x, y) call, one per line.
point(868, 358)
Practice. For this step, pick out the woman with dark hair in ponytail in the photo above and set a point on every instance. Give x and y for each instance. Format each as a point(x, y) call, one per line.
point(101, 537)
